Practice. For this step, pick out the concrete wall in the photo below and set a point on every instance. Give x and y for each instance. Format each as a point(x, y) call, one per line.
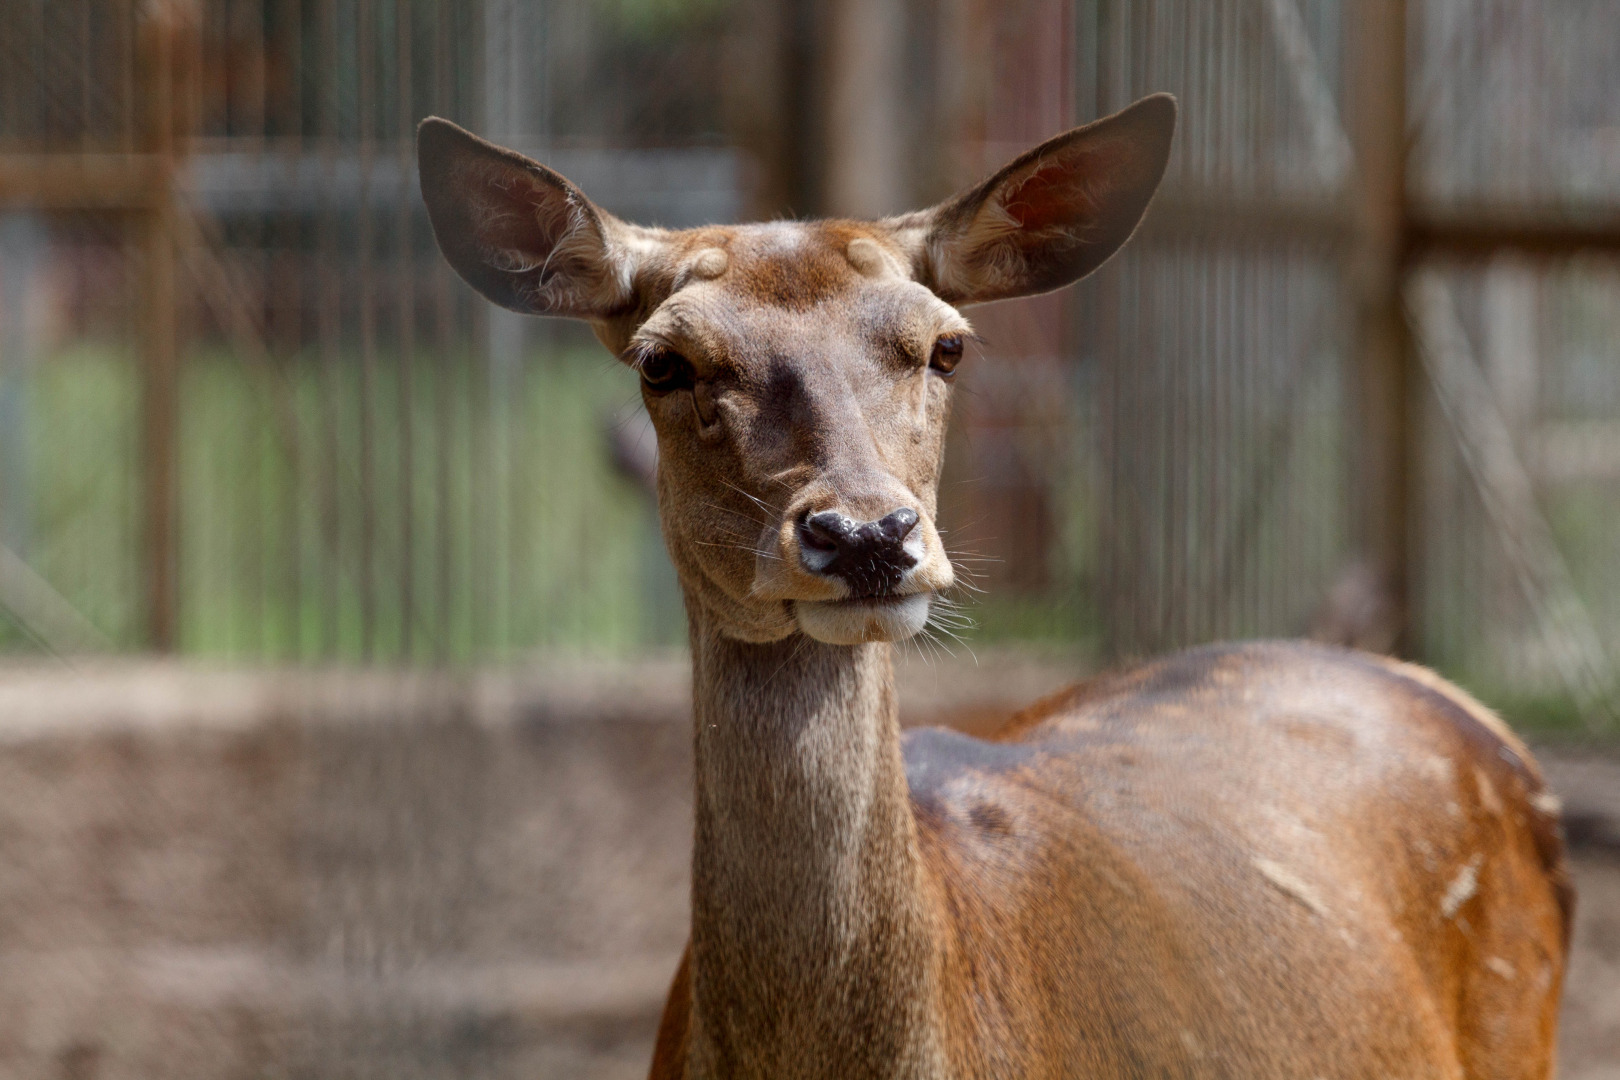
point(228, 875)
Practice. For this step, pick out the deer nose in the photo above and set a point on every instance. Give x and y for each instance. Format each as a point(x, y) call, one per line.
point(870, 556)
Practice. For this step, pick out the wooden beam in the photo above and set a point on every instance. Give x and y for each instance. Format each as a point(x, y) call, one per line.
point(1384, 441)
point(109, 182)
point(160, 422)
point(1181, 213)
point(160, 363)
point(1481, 232)
point(864, 142)
point(1426, 232)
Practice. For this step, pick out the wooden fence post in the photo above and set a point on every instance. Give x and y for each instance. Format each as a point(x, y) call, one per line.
point(1385, 456)
point(159, 359)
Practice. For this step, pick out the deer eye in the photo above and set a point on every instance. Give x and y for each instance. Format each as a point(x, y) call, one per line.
point(947, 354)
point(663, 370)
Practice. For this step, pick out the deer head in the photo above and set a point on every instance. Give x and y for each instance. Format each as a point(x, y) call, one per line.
point(798, 374)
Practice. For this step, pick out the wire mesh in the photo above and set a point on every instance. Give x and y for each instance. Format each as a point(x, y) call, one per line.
point(371, 464)
point(221, 310)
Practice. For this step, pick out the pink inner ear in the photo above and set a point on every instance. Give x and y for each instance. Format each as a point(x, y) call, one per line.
point(510, 212)
point(1061, 192)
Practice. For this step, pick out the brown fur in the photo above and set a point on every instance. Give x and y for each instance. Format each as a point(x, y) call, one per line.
point(1239, 861)
point(1266, 860)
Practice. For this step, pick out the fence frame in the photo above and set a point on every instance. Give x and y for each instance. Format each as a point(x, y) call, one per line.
point(1387, 234)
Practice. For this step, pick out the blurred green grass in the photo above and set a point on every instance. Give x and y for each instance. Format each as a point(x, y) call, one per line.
point(494, 512)
point(497, 523)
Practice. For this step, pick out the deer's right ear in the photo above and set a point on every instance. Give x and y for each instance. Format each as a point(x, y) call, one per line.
point(520, 234)
point(1049, 217)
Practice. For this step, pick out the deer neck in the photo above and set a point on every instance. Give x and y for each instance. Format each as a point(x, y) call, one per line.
point(812, 949)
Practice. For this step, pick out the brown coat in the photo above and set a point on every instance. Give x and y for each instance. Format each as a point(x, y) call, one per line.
point(1267, 860)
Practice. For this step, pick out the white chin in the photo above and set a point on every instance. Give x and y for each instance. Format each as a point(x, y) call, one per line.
point(855, 622)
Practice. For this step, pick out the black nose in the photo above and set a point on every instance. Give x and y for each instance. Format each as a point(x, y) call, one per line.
point(869, 555)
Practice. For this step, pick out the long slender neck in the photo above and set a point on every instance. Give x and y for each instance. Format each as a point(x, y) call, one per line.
point(813, 953)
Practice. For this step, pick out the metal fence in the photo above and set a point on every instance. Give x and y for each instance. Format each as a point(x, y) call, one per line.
point(245, 410)
point(249, 410)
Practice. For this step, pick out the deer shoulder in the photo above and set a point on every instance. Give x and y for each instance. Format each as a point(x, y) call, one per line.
point(1169, 855)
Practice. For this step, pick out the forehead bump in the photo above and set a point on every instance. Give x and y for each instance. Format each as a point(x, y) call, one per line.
point(867, 256)
point(710, 263)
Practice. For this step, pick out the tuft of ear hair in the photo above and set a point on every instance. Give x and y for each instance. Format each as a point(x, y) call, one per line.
point(1048, 218)
point(518, 232)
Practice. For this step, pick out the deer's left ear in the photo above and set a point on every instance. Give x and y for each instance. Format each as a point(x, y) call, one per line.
point(521, 234)
point(1050, 217)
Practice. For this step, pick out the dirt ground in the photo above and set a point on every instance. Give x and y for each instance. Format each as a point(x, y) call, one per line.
point(224, 876)
point(1589, 783)
point(1589, 1043)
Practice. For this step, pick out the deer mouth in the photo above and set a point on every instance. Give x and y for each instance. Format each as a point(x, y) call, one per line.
point(877, 598)
point(857, 620)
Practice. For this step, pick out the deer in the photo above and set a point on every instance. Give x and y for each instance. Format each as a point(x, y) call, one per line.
point(1256, 859)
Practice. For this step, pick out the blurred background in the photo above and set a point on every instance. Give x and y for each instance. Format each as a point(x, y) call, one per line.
point(342, 695)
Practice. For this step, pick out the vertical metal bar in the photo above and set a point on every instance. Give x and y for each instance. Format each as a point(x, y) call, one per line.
point(1257, 280)
point(444, 319)
point(1376, 66)
point(366, 31)
point(248, 20)
point(1292, 578)
point(1229, 357)
point(88, 71)
point(1178, 372)
point(290, 293)
point(482, 542)
point(21, 242)
point(405, 298)
point(505, 111)
point(159, 359)
point(128, 77)
point(330, 325)
point(1107, 312)
point(1210, 348)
